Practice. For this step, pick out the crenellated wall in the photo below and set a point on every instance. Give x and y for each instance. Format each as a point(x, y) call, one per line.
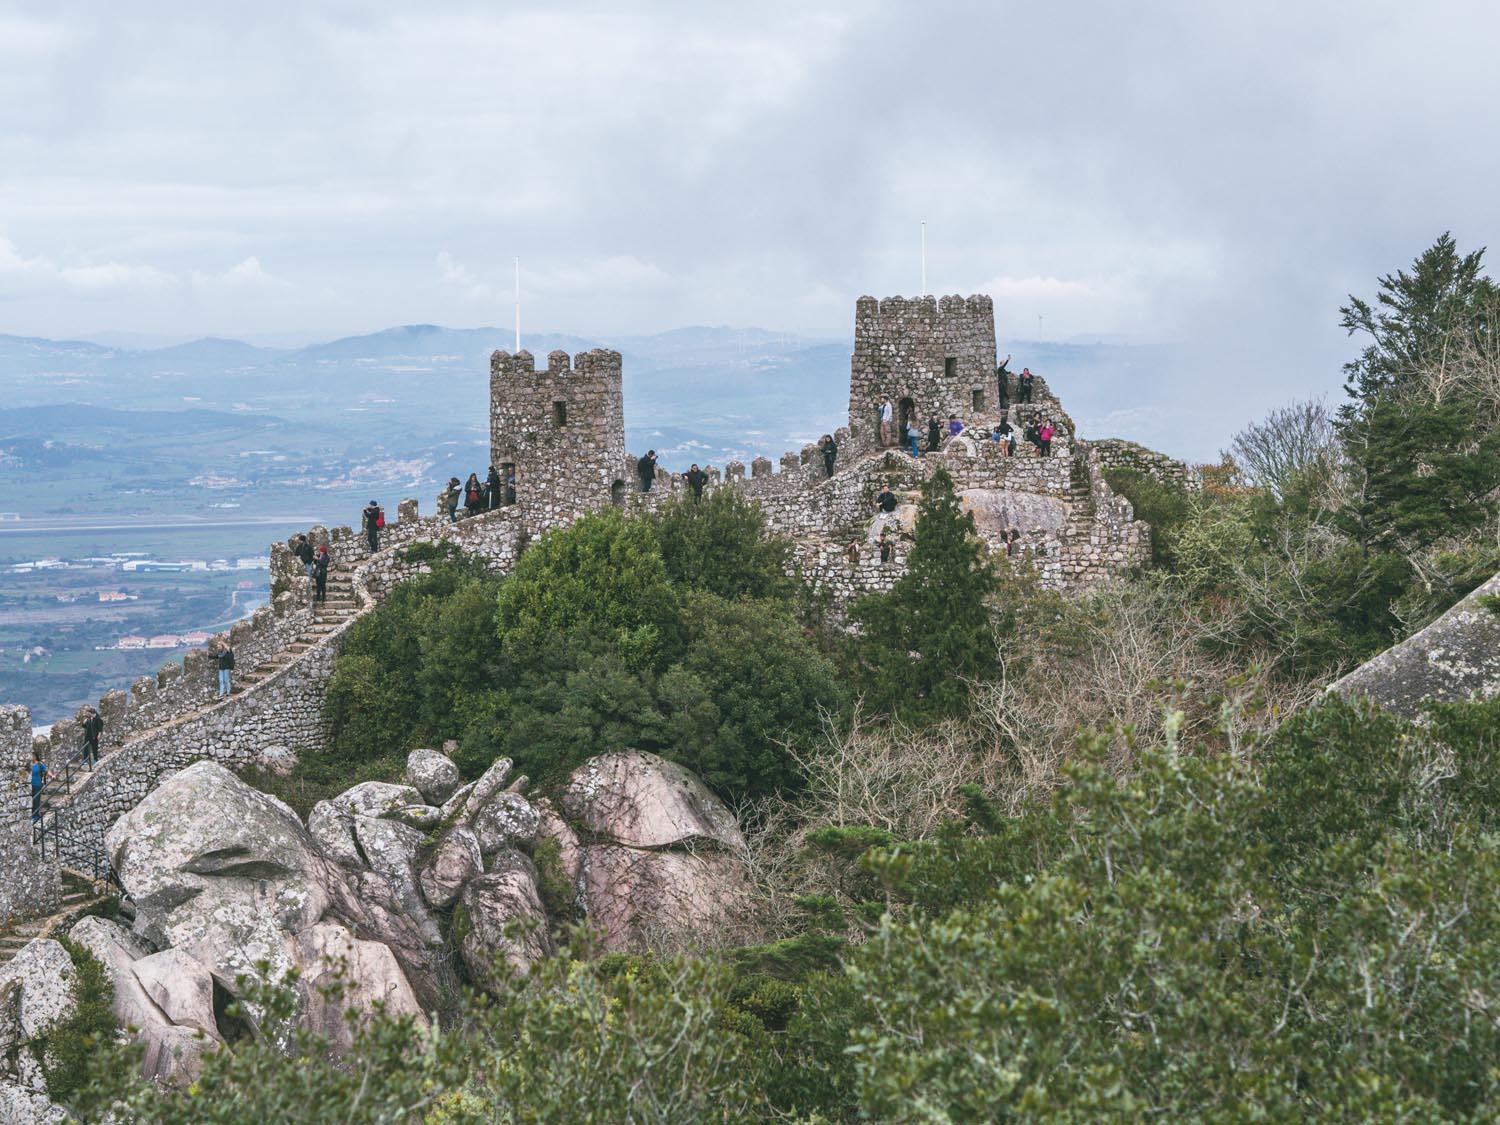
point(1116, 453)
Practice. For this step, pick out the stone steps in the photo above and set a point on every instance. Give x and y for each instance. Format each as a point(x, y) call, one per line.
point(78, 895)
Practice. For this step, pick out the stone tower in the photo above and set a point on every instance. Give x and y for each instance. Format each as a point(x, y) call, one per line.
point(562, 430)
point(928, 355)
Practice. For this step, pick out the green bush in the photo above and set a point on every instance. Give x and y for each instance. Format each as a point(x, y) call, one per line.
point(71, 1046)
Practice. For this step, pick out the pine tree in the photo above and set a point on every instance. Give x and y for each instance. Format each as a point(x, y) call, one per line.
point(921, 642)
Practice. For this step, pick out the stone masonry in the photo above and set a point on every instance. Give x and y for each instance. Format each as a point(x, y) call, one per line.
point(562, 430)
point(30, 884)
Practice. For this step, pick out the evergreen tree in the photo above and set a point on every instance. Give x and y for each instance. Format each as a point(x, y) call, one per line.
point(931, 633)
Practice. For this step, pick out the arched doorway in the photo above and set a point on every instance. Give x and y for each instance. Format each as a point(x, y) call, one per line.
point(617, 494)
point(906, 415)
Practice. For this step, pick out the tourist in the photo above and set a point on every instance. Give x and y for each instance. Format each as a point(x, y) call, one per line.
point(1002, 381)
point(914, 435)
point(887, 419)
point(955, 427)
point(934, 434)
point(1012, 544)
point(225, 661)
point(450, 498)
point(320, 574)
point(302, 548)
point(38, 782)
point(1034, 434)
point(646, 468)
point(886, 502)
point(696, 479)
point(494, 491)
point(93, 727)
point(1044, 434)
point(852, 553)
point(473, 496)
point(372, 519)
point(1026, 379)
point(510, 487)
point(830, 451)
point(1006, 435)
point(885, 547)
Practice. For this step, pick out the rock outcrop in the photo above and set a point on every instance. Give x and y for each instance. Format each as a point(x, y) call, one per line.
point(1454, 659)
point(36, 993)
point(660, 863)
point(228, 883)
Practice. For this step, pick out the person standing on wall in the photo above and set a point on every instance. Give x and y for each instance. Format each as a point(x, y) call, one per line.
point(696, 479)
point(473, 496)
point(304, 552)
point(38, 782)
point(887, 420)
point(830, 451)
point(646, 469)
point(934, 433)
point(1002, 381)
point(494, 490)
point(320, 574)
point(955, 427)
point(225, 662)
point(1045, 434)
point(913, 436)
point(450, 498)
point(1026, 380)
point(372, 519)
point(93, 728)
point(885, 547)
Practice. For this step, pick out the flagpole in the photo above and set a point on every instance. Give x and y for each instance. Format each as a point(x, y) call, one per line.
point(518, 304)
point(924, 258)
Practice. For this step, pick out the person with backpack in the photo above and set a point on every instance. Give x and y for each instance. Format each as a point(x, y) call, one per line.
point(696, 479)
point(93, 728)
point(372, 519)
point(320, 575)
point(914, 435)
point(38, 783)
point(830, 451)
point(450, 498)
point(646, 469)
point(225, 662)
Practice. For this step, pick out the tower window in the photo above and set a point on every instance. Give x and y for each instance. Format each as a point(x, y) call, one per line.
point(559, 414)
point(978, 400)
point(950, 367)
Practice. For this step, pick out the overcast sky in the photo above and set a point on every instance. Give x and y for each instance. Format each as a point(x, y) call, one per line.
point(1218, 174)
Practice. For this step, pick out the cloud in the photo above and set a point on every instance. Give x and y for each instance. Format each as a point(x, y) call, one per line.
point(38, 273)
point(21, 37)
point(456, 273)
point(248, 274)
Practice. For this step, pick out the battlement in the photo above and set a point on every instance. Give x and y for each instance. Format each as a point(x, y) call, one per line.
point(596, 363)
point(868, 309)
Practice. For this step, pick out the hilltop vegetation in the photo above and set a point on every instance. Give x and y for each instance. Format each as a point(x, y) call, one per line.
point(1014, 855)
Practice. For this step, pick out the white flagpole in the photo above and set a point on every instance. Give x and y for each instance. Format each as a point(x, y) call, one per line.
point(924, 258)
point(518, 304)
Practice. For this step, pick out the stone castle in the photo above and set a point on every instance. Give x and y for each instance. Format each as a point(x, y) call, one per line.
point(560, 430)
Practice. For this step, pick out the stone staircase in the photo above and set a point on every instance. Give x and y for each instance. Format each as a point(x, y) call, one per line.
point(329, 615)
point(78, 894)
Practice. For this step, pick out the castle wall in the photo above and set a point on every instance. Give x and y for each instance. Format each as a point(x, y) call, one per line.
point(902, 349)
point(1116, 453)
point(30, 884)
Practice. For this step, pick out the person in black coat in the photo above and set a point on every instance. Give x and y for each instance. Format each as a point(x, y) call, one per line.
point(320, 574)
point(696, 479)
point(494, 490)
point(646, 468)
point(225, 661)
point(93, 728)
point(1002, 382)
point(473, 496)
point(304, 552)
point(830, 451)
point(371, 518)
point(934, 434)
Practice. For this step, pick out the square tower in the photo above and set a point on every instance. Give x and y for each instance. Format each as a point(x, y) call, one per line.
point(561, 431)
point(927, 355)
